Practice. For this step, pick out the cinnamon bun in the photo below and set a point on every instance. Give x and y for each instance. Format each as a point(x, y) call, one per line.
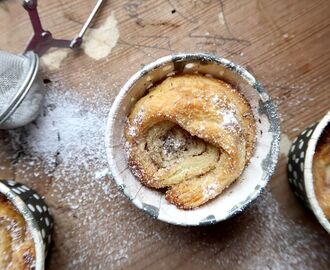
point(192, 135)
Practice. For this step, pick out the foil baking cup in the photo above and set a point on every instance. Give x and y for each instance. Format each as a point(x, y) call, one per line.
point(239, 194)
point(300, 168)
point(35, 212)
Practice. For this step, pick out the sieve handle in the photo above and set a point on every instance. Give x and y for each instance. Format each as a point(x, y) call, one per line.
point(76, 42)
point(42, 39)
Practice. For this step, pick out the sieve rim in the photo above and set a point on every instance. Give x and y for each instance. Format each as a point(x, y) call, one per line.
point(24, 88)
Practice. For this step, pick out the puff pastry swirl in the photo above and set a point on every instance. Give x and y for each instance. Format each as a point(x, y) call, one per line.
point(192, 135)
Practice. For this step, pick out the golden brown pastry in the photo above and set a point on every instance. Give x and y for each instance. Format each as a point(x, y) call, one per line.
point(192, 135)
point(321, 172)
point(16, 245)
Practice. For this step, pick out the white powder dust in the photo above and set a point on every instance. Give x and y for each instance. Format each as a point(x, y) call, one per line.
point(229, 120)
point(285, 145)
point(132, 131)
point(228, 117)
point(53, 60)
point(65, 130)
point(221, 18)
point(210, 190)
point(97, 228)
point(68, 133)
point(271, 240)
point(98, 43)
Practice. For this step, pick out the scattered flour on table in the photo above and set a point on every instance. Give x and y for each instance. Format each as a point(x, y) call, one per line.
point(66, 145)
point(285, 145)
point(53, 60)
point(66, 131)
point(261, 238)
point(97, 228)
point(271, 240)
point(99, 42)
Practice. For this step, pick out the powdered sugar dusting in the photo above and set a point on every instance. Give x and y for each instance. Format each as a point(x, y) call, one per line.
point(228, 119)
point(285, 145)
point(227, 111)
point(210, 191)
point(65, 148)
point(97, 228)
point(65, 132)
point(136, 121)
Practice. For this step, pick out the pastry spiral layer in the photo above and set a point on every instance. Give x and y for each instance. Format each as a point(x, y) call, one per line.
point(192, 135)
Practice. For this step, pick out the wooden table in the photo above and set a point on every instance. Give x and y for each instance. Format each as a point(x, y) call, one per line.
point(286, 44)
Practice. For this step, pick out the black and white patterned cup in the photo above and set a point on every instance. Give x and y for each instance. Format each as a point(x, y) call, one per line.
point(300, 163)
point(36, 214)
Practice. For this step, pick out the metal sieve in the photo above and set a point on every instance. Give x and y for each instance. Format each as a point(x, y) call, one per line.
point(21, 89)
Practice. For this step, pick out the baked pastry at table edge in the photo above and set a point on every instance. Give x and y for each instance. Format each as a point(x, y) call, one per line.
point(321, 171)
point(17, 250)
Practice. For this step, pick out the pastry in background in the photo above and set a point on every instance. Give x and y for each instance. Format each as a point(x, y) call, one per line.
point(17, 250)
point(321, 171)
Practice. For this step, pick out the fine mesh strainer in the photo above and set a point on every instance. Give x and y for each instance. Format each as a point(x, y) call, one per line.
point(21, 89)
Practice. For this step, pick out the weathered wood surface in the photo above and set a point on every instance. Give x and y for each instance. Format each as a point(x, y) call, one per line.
point(286, 44)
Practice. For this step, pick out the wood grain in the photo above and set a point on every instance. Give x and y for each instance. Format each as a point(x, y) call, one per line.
point(286, 44)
